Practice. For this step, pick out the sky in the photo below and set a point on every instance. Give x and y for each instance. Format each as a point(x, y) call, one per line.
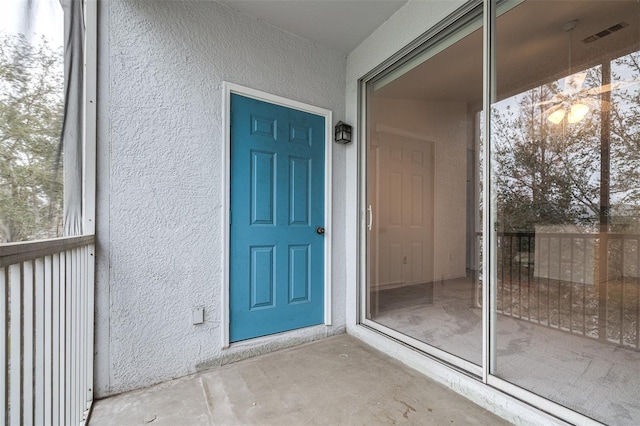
point(46, 19)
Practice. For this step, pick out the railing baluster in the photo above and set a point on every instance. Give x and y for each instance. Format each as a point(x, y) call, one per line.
point(15, 344)
point(511, 284)
point(91, 313)
point(68, 334)
point(79, 365)
point(74, 339)
point(39, 337)
point(519, 277)
point(584, 286)
point(55, 350)
point(83, 332)
point(558, 282)
point(81, 319)
point(536, 267)
point(622, 290)
point(549, 282)
point(529, 269)
point(82, 336)
point(637, 281)
point(4, 345)
point(571, 288)
point(48, 338)
point(63, 339)
point(28, 338)
point(502, 295)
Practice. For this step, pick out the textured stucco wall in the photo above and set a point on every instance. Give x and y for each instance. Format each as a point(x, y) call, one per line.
point(160, 168)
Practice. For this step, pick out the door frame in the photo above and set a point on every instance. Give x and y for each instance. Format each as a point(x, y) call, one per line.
point(232, 88)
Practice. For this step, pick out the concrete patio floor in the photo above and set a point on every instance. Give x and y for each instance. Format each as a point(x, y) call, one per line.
point(334, 381)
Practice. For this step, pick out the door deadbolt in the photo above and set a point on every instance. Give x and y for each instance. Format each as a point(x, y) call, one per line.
point(320, 230)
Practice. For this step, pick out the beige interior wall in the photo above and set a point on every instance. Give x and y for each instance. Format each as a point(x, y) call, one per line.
point(446, 124)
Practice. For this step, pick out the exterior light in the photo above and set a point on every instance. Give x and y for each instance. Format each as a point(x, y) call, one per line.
point(342, 133)
point(577, 112)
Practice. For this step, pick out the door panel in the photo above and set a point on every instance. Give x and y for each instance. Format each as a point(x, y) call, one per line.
point(263, 189)
point(404, 199)
point(277, 201)
point(262, 277)
point(300, 191)
point(299, 278)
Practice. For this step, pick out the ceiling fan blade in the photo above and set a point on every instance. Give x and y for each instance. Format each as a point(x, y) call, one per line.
point(609, 87)
point(551, 109)
point(573, 83)
point(554, 100)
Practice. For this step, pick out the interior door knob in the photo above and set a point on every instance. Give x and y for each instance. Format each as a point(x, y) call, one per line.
point(320, 230)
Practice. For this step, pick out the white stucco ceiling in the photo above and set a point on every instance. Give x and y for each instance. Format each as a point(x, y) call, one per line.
point(340, 25)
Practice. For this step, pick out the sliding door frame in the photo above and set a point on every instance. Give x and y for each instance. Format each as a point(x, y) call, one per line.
point(468, 15)
point(461, 18)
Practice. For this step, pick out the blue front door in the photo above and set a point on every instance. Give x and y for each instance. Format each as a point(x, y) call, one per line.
point(276, 280)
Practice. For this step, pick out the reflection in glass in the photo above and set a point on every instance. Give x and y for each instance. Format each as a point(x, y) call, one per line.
point(423, 197)
point(565, 141)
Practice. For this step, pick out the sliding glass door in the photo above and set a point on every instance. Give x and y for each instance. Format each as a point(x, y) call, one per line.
point(423, 195)
point(559, 158)
point(565, 139)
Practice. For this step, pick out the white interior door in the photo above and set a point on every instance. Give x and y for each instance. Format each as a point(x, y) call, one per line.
point(403, 205)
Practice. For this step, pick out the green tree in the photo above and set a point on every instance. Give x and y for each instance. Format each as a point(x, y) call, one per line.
point(31, 108)
point(625, 129)
point(544, 172)
point(548, 174)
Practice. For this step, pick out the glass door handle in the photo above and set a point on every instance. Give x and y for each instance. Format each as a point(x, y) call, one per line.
point(370, 223)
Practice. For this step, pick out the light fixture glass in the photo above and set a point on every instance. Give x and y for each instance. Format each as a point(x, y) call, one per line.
point(577, 112)
point(556, 116)
point(342, 133)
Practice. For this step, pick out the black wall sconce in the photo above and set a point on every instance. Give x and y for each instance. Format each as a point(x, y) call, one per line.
point(342, 133)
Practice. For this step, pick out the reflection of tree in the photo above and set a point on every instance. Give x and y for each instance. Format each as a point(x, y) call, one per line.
point(625, 132)
point(550, 174)
point(30, 124)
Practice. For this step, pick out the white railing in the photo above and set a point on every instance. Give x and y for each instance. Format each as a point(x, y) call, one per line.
point(46, 306)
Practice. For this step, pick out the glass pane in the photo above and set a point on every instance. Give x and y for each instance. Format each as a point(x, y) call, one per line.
point(31, 106)
point(565, 139)
point(423, 193)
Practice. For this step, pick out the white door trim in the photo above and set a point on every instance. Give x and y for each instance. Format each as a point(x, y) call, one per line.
point(228, 89)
